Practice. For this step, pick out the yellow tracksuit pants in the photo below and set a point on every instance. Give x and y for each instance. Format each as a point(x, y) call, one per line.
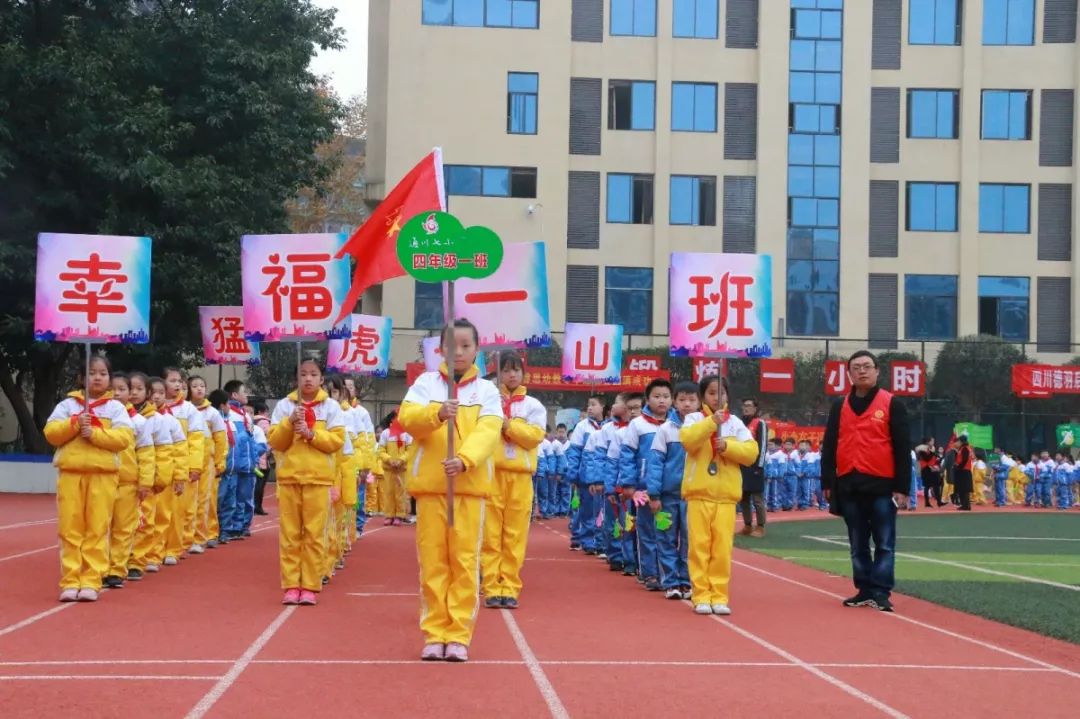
point(394, 502)
point(206, 506)
point(125, 522)
point(449, 567)
point(145, 535)
point(711, 532)
point(372, 501)
point(334, 548)
point(84, 506)
point(192, 498)
point(183, 509)
point(350, 494)
point(167, 503)
point(303, 512)
point(506, 532)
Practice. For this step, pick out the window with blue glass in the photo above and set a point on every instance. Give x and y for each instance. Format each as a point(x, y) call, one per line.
point(486, 181)
point(630, 199)
point(693, 107)
point(628, 295)
point(633, 17)
point(631, 105)
point(1004, 307)
point(428, 306)
point(934, 22)
point(696, 18)
point(522, 93)
point(1008, 22)
point(482, 13)
point(930, 307)
point(1004, 208)
point(931, 206)
point(693, 200)
point(933, 114)
point(1006, 114)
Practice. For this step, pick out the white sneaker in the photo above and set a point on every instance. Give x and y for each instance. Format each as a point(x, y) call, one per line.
point(171, 561)
point(87, 595)
point(721, 609)
point(702, 609)
point(153, 568)
point(673, 593)
point(197, 549)
point(69, 595)
point(601, 555)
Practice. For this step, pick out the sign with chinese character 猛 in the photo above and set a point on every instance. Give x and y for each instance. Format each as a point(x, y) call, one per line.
point(365, 351)
point(293, 288)
point(92, 288)
point(436, 247)
point(1035, 380)
point(720, 305)
point(592, 354)
point(908, 378)
point(837, 381)
point(223, 337)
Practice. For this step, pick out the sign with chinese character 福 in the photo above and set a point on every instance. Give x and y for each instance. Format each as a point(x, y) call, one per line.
point(510, 307)
point(720, 305)
point(92, 288)
point(293, 288)
point(436, 247)
point(777, 376)
point(592, 354)
point(837, 381)
point(223, 337)
point(1034, 380)
point(365, 351)
point(908, 378)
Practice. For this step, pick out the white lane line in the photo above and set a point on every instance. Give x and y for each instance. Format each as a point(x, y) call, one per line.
point(1001, 537)
point(36, 618)
point(105, 677)
point(118, 662)
point(53, 547)
point(382, 594)
point(218, 690)
point(381, 662)
point(34, 523)
point(547, 691)
point(980, 563)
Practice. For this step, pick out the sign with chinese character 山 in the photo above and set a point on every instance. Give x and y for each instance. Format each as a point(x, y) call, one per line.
point(223, 337)
point(837, 381)
point(293, 288)
point(92, 288)
point(1034, 380)
point(777, 376)
point(720, 305)
point(365, 351)
point(436, 247)
point(908, 378)
point(592, 354)
point(509, 308)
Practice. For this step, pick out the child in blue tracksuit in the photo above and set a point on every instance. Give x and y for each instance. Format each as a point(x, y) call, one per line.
point(1063, 476)
point(539, 479)
point(804, 475)
point(913, 488)
point(577, 466)
point(790, 485)
point(557, 478)
point(1031, 470)
point(617, 509)
point(775, 469)
point(663, 482)
point(1001, 469)
point(602, 477)
point(236, 492)
point(1045, 481)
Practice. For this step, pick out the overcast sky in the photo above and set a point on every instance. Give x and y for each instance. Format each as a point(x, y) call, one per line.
point(347, 68)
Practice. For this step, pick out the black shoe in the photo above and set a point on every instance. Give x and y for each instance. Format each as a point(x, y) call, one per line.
point(862, 599)
point(325, 581)
point(574, 546)
point(261, 512)
point(223, 540)
point(493, 602)
point(509, 603)
point(238, 537)
point(615, 566)
point(247, 533)
point(882, 604)
point(113, 582)
point(590, 552)
point(652, 584)
point(134, 575)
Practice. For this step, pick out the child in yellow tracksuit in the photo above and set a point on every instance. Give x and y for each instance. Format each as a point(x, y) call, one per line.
point(345, 462)
point(181, 532)
point(716, 444)
point(307, 430)
point(450, 555)
point(506, 524)
point(978, 478)
point(364, 458)
point(1017, 483)
point(215, 448)
point(168, 502)
point(160, 433)
point(394, 445)
point(89, 432)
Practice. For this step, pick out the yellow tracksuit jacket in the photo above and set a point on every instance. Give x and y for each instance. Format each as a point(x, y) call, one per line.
point(393, 501)
point(137, 470)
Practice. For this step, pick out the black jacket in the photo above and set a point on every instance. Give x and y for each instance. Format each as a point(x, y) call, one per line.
point(753, 477)
point(857, 482)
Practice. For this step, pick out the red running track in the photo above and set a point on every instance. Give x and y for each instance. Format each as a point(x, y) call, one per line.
point(208, 639)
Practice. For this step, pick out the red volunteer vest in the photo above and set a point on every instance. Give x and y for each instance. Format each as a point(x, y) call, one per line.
point(865, 445)
point(966, 465)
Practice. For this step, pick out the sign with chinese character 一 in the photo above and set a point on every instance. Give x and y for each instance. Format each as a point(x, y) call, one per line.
point(223, 337)
point(366, 350)
point(592, 354)
point(720, 305)
point(436, 247)
point(293, 288)
point(92, 288)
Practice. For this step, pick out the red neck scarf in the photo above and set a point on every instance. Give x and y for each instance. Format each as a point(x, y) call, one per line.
point(468, 378)
point(309, 412)
point(230, 432)
point(131, 410)
point(89, 407)
point(653, 420)
point(395, 433)
point(509, 400)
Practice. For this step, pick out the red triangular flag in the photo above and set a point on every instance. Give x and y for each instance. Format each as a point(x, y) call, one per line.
point(374, 244)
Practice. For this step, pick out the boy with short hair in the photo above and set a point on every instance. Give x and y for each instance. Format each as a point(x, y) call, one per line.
point(803, 477)
point(775, 469)
point(792, 471)
point(633, 458)
point(577, 470)
point(624, 548)
point(602, 474)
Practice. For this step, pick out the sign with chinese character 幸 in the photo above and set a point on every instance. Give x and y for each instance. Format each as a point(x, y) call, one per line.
point(293, 288)
point(366, 350)
point(92, 288)
point(510, 307)
point(1036, 380)
point(592, 354)
point(720, 305)
point(223, 337)
point(837, 381)
point(436, 247)
point(908, 378)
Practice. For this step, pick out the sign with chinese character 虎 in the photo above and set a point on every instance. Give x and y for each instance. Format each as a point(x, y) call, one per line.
point(720, 305)
point(592, 354)
point(365, 351)
point(92, 288)
point(509, 308)
point(223, 337)
point(777, 376)
point(293, 288)
point(436, 247)
point(908, 378)
point(837, 381)
point(1034, 380)
point(431, 348)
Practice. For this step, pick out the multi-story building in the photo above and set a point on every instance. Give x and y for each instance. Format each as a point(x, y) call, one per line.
point(908, 164)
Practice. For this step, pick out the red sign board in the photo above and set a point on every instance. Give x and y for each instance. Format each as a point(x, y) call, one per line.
point(707, 366)
point(643, 363)
point(836, 377)
point(778, 376)
point(908, 378)
point(1036, 380)
point(550, 379)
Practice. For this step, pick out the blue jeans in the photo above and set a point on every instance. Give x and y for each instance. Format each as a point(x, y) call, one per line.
point(671, 545)
point(869, 517)
point(648, 562)
point(226, 506)
point(628, 539)
point(804, 492)
point(361, 517)
point(999, 492)
point(614, 547)
point(245, 502)
point(562, 492)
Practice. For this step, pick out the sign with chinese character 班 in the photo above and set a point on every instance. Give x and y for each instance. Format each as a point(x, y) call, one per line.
point(92, 288)
point(1034, 380)
point(365, 351)
point(436, 247)
point(293, 288)
point(592, 354)
point(837, 381)
point(720, 305)
point(223, 337)
point(908, 378)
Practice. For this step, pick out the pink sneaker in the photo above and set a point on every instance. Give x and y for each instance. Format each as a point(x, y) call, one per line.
point(307, 598)
point(433, 653)
point(71, 595)
point(292, 596)
point(397, 521)
point(456, 652)
point(388, 521)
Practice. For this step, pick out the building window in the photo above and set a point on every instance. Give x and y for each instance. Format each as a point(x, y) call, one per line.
point(934, 22)
point(817, 24)
point(1003, 307)
point(1006, 114)
point(1008, 22)
point(633, 17)
point(631, 105)
point(522, 90)
point(931, 206)
point(814, 119)
point(628, 298)
point(484, 181)
point(428, 306)
point(693, 200)
point(930, 307)
point(933, 114)
point(696, 18)
point(1004, 208)
point(693, 107)
point(482, 13)
point(630, 199)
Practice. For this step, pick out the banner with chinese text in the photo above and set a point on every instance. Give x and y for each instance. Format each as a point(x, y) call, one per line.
point(1035, 380)
point(979, 435)
point(223, 337)
point(592, 354)
point(365, 351)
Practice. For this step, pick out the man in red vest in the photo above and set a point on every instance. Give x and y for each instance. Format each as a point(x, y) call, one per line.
point(866, 475)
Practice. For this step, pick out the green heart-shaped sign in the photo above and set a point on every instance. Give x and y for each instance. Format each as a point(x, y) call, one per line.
point(436, 247)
